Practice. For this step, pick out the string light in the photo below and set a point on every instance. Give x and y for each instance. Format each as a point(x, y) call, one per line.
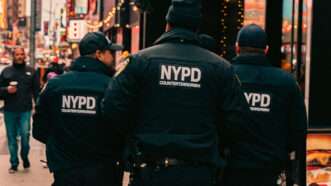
point(225, 25)
point(224, 13)
point(240, 10)
point(106, 20)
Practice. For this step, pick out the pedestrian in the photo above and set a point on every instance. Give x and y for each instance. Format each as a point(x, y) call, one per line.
point(69, 122)
point(277, 103)
point(54, 69)
point(18, 87)
point(170, 103)
point(41, 71)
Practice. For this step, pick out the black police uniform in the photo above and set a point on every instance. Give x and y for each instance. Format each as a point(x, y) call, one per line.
point(179, 95)
point(280, 127)
point(68, 121)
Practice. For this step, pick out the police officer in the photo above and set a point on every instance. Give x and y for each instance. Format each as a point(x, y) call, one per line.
point(276, 102)
point(68, 118)
point(178, 95)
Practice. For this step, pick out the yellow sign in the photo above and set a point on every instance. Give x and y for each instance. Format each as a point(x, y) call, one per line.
point(3, 14)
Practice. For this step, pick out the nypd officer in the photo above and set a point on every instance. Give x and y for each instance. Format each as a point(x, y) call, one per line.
point(178, 96)
point(276, 102)
point(68, 120)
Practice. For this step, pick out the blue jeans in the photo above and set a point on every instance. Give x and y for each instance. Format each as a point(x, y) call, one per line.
point(18, 123)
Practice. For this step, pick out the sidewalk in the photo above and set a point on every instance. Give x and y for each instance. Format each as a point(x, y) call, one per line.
point(35, 176)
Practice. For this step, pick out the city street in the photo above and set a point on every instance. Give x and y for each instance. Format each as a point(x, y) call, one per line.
point(37, 175)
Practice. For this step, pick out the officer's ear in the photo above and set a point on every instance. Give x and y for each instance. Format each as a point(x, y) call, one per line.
point(99, 55)
point(237, 48)
point(266, 50)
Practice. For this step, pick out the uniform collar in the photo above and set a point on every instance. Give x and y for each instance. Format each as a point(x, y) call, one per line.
point(179, 35)
point(88, 64)
point(252, 59)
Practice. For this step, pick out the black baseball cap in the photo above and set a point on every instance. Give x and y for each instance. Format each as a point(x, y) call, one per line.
point(253, 36)
point(94, 41)
point(185, 13)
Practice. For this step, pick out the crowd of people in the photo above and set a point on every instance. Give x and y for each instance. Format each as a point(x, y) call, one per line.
point(175, 113)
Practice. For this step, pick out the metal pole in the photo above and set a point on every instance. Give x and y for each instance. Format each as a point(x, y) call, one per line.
point(144, 28)
point(299, 43)
point(302, 162)
point(101, 13)
point(292, 34)
point(32, 32)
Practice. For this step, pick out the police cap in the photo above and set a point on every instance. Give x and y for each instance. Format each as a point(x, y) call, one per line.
point(252, 36)
point(94, 41)
point(185, 13)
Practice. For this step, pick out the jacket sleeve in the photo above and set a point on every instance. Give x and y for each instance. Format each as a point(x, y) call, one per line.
point(297, 133)
point(3, 87)
point(235, 122)
point(41, 119)
point(35, 85)
point(120, 100)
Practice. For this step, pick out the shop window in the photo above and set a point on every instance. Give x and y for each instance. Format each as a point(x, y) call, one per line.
point(255, 12)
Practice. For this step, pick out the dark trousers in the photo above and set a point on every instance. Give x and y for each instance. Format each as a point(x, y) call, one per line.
point(249, 177)
point(89, 176)
point(174, 176)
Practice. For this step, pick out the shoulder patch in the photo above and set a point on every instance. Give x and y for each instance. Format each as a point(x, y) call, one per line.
point(121, 67)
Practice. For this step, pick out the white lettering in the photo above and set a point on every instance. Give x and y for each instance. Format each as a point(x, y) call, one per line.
point(258, 102)
point(78, 104)
point(248, 97)
point(165, 72)
point(196, 75)
point(65, 102)
point(186, 72)
point(176, 71)
point(256, 99)
point(74, 100)
point(182, 76)
point(265, 100)
point(91, 103)
point(82, 101)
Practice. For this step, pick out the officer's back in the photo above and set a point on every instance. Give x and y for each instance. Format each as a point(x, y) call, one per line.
point(177, 91)
point(68, 118)
point(277, 105)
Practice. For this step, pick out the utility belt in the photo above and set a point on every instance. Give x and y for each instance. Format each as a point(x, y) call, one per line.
point(149, 167)
point(167, 162)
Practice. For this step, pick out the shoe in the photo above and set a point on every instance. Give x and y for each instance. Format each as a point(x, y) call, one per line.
point(12, 170)
point(26, 164)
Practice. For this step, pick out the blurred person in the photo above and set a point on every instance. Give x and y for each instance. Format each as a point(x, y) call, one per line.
point(171, 103)
point(41, 71)
point(69, 122)
point(18, 87)
point(277, 103)
point(54, 69)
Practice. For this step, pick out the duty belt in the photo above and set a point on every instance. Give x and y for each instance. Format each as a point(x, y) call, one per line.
point(168, 162)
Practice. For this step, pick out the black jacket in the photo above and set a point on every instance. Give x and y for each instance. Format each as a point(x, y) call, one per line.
point(179, 96)
point(277, 104)
point(67, 117)
point(27, 88)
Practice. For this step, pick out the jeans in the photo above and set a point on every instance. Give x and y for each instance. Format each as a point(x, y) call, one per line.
point(18, 124)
